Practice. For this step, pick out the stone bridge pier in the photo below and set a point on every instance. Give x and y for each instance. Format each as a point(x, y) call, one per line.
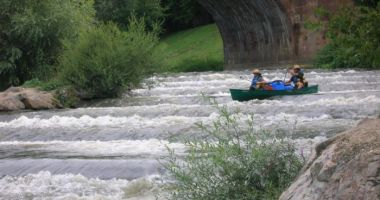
point(268, 32)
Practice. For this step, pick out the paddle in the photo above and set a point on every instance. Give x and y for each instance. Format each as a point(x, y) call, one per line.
point(286, 73)
point(242, 78)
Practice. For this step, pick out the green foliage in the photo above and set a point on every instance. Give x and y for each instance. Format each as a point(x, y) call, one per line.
point(235, 162)
point(321, 12)
point(355, 38)
point(368, 3)
point(31, 34)
point(320, 21)
point(105, 60)
point(120, 11)
point(67, 96)
point(198, 49)
point(50, 85)
point(184, 14)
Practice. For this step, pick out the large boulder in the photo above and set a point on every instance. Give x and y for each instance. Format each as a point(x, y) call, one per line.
point(16, 98)
point(345, 167)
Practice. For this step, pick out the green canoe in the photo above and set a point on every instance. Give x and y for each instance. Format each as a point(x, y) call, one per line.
point(246, 95)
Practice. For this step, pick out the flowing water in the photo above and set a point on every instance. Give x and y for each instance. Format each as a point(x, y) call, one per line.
point(109, 150)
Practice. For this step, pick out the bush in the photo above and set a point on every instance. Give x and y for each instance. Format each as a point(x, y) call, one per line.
point(43, 85)
point(355, 35)
point(31, 34)
point(105, 60)
point(235, 162)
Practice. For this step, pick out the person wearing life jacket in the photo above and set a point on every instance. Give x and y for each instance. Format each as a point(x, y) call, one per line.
point(298, 77)
point(258, 81)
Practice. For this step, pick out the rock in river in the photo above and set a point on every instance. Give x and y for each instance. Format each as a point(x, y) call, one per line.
point(17, 98)
point(346, 167)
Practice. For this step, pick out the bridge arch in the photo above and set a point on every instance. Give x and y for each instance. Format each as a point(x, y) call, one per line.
point(266, 32)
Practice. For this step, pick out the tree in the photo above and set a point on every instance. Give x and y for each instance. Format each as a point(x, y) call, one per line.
point(368, 3)
point(120, 11)
point(31, 33)
point(183, 14)
point(355, 37)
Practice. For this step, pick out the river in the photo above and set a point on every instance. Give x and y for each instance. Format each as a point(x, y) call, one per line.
point(109, 149)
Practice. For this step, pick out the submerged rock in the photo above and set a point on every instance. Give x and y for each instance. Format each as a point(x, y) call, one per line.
point(17, 98)
point(346, 167)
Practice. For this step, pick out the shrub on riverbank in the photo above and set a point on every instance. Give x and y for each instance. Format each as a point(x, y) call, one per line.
point(104, 61)
point(235, 162)
point(355, 38)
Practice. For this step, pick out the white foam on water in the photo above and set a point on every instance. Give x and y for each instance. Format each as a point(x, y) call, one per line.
point(338, 72)
point(197, 77)
point(183, 90)
point(123, 148)
point(44, 185)
point(190, 84)
point(139, 148)
point(275, 121)
point(290, 119)
point(347, 91)
point(198, 95)
point(180, 92)
point(158, 109)
point(353, 83)
point(323, 78)
point(135, 121)
point(138, 122)
point(345, 101)
point(329, 101)
point(350, 71)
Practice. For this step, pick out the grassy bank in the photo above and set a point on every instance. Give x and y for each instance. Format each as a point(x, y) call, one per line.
point(198, 49)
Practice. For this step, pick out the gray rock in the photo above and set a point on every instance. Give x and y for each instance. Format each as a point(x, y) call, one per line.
point(16, 98)
point(346, 167)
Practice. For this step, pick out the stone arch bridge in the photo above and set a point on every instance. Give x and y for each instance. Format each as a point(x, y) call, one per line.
point(267, 32)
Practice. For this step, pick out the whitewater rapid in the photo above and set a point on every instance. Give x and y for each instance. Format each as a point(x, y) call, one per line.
point(110, 149)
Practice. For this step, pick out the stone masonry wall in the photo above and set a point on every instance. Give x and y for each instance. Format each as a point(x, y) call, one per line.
point(267, 32)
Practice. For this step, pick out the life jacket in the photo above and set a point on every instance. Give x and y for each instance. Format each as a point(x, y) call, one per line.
point(299, 77)
point(256, 79)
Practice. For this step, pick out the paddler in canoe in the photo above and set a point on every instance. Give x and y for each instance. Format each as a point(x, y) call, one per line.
point(258, 81)
point(261, 89)
point(297, 81)
point(298, 78)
